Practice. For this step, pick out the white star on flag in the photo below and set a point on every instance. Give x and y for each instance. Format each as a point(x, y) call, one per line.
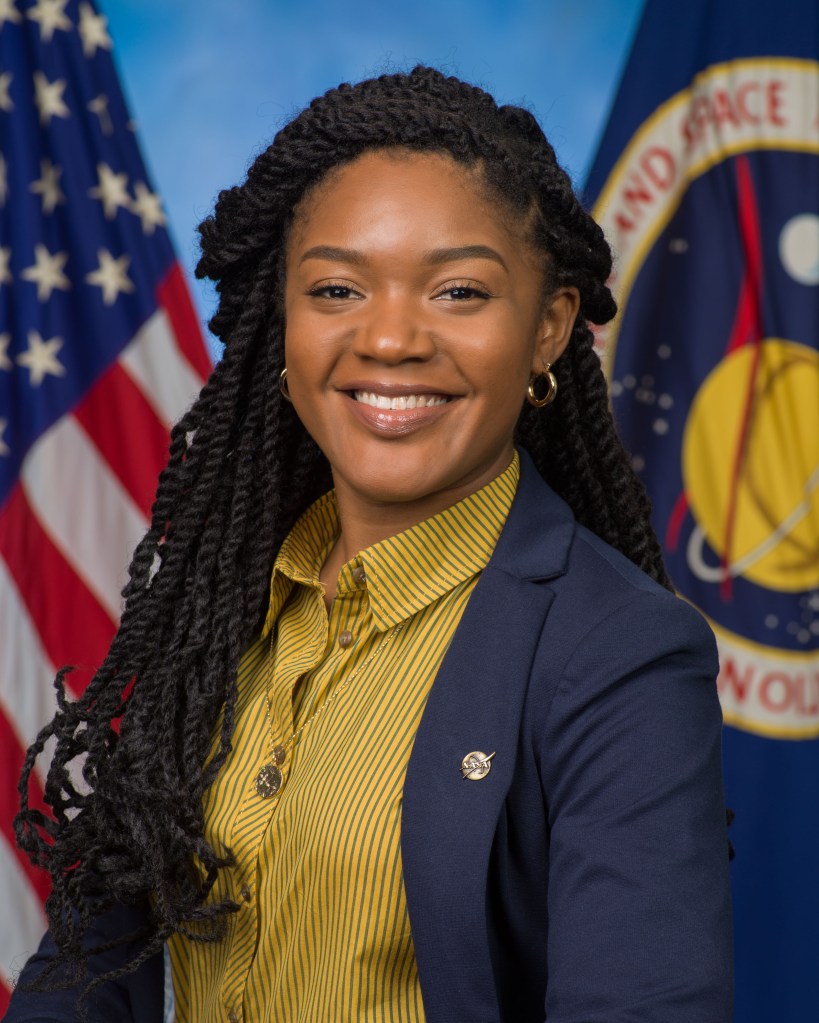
point(48, 186)
point(99, 106)
point(47, 272)
point(5, 361)
point(148, 207)
point(111, 276)
point(5, 85)
point(8, 12)
point(4, 448)
point(40, 359)
point(49, 97)
point(112, 190)
point(92, 28)
point(51, 15)
point(4, 184)
point(5, 259)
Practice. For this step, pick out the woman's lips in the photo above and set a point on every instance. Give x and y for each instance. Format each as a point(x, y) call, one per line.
point(399, 402)
point(398, 421)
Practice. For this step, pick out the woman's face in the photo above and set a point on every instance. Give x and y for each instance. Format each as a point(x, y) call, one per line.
point(415, 320)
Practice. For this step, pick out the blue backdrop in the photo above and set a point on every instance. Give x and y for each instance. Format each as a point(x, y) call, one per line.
point(210, 82)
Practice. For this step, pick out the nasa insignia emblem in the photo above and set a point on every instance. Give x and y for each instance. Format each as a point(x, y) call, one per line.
point(713, 213)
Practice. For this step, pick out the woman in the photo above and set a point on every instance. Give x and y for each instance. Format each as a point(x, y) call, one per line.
point(439, 745)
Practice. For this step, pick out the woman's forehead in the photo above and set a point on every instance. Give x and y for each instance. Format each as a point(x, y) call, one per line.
point(413, 193)
point(378, 166)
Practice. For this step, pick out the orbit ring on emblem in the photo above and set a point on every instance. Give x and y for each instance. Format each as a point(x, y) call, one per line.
point(475, 765)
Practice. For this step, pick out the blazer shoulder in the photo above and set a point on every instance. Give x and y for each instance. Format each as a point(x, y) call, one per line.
point(588, 581)
point(601, 582)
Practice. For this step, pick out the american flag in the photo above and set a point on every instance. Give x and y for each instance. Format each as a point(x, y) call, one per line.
point(100, 351)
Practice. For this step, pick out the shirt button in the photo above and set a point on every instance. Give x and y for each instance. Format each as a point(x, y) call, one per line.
point(232, 1017)
point(279, 753)
point(359, 575)
point(345, 638)
point(244, 891)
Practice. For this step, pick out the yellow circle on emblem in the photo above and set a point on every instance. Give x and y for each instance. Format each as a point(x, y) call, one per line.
point(751, 467)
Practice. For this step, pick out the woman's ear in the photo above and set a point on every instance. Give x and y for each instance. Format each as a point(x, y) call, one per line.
point(556, 327)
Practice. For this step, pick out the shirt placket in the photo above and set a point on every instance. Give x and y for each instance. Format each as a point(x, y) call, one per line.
point(258, 810)
point(348, 628)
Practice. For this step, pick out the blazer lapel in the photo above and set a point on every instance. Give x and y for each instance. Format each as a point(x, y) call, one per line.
point(448, 822)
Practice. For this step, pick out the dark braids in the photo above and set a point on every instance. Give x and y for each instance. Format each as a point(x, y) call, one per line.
point(242, 469)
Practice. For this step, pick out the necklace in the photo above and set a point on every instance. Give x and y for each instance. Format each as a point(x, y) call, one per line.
point(269, 779)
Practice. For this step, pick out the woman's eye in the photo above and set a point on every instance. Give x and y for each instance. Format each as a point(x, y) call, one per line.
point(462, 293)
point(336, 291)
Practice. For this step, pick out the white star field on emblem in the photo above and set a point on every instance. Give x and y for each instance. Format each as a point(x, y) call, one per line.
point(49, 97)
point(40, 359)
point(5, 84)
point(50, 15)
point(148, 207)
point(47, 272)
point(4, 448)
point(112, 190)
point(5, 361)
point(4, 182)
point(99, 106)
point(111, 276)
point(92, 28)
point(5, 259)
point(8, 12)
point(48, 186)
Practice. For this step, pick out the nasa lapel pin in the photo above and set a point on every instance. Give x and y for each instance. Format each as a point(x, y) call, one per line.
point(475, 765)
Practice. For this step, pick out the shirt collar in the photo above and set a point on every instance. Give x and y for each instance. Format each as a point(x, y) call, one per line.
point(406, 572)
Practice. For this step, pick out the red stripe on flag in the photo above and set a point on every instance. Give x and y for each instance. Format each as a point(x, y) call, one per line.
point(174, 297)
point(127, 432)
point(11, 764)
point(675, 522)
point(747, 329)
point(73, 626)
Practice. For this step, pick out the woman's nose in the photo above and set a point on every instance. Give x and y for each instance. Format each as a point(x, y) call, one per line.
point(392, 331)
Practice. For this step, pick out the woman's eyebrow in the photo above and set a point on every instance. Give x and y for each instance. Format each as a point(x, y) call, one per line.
point(435, 257)
point(334, 253)
point(451, 255)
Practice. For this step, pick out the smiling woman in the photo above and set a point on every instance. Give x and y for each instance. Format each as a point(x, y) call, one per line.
point(416, 318)
point(437, 743)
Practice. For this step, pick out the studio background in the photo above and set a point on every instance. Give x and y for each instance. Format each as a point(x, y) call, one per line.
point(209, 84)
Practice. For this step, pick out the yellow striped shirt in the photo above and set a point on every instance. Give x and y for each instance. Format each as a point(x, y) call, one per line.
point(323, 933)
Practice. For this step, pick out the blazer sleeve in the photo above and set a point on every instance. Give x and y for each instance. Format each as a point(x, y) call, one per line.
point(137, 997)
point(639, 903)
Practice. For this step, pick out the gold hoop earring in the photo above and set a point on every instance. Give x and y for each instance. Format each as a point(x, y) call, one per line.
point(550, 394)
point(283, 385)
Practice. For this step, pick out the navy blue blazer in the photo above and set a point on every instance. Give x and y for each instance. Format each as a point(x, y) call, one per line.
point(585, 878)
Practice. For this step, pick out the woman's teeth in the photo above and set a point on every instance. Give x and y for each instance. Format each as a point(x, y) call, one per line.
point(405, 401)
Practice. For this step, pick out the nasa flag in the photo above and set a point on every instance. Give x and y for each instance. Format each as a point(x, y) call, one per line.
point(706, 183)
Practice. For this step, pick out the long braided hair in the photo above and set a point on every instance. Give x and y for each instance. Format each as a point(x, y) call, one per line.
point(154, 725)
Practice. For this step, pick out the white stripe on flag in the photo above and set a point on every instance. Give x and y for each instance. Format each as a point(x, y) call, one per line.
point(21, 906)
point(99, 540)
point(26, 676)
point(155, 363)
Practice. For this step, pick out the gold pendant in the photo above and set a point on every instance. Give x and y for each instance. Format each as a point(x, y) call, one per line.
point(268, 781)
